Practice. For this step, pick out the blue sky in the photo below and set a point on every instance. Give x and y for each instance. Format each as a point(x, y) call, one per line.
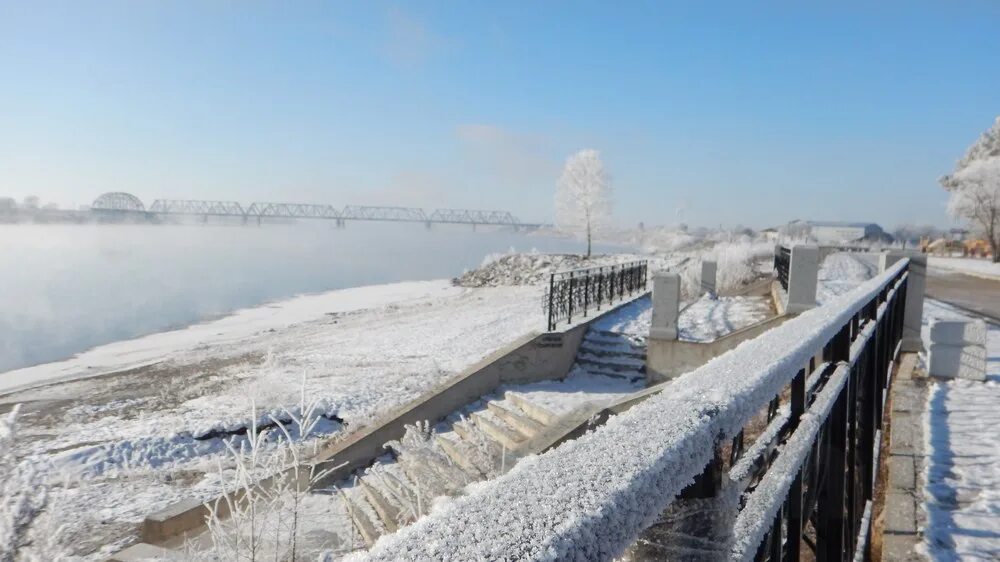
point(706, 113)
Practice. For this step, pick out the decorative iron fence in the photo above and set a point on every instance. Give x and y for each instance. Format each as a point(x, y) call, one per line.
point(576, 292)
point(782, 260)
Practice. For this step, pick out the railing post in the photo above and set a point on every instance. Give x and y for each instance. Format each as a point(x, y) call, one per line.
point(803, 271)
point(572, 296)
point(552, 285)
point(797, 407)
point(708, 274)
point(914, 296)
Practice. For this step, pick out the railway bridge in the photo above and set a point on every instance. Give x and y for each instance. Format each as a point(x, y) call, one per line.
point(120, 204)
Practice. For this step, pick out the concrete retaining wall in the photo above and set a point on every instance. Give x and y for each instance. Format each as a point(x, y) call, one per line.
point(533, 358)
point(668, 359)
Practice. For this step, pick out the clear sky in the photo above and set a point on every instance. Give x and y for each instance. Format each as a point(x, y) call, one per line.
point(705, 113)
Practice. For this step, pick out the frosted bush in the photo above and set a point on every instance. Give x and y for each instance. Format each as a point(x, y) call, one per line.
point(25, 533)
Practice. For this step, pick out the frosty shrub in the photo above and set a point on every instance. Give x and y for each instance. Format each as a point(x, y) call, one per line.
point(739, 263)
point(258, 515)
point(25, 534)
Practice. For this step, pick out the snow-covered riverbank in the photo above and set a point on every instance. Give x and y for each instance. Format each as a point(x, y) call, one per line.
point(123, 445)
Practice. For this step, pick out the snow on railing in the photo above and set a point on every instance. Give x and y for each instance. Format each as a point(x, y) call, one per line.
point(590, 498)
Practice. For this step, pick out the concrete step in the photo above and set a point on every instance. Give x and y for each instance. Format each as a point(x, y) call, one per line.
point(458, 452)
point(465, 430)
point(398, 490)
point(536, 412)
point(515, 418)
point(631, 376)
point(593, 365)
point(366, 528)
point(618, 343)
point(619, 361)
point(386, 510)
point(610, 351)
point(498, 430)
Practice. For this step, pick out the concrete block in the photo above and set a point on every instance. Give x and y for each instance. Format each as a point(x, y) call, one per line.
point(901, 548)
point(957, 361)
point(906, 434)
point(666, 306)
point(146, 552)
point(900, 513)
point(902, 473)
point(708, 276)
point(957, 332)
point(803, 275)
point(915, 286)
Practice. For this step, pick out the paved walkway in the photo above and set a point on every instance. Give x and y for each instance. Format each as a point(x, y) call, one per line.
point(974, 293)
point(941, 501)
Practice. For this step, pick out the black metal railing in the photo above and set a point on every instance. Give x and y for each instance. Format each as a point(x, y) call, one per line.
point(577, 292)
point(782, 260)
point(815, 465)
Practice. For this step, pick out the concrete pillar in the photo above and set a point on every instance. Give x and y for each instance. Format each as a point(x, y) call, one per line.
point(708, 271)
point(956, 349)
point(803, 273)
point(913, 314)
point(666, 306)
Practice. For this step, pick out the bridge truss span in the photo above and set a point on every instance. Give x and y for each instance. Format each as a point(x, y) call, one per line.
point(293, 211)
point(196, 207)
point(392, 214)
point(119, 201)
point(471, 216)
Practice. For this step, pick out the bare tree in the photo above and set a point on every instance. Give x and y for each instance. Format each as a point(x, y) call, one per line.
point(975, 196)
point(583, 195)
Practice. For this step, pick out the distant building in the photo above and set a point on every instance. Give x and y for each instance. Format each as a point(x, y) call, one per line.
point(833, 232)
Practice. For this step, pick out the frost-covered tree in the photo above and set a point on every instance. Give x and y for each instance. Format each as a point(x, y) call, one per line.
point(986, 146)
point(583, 195)
point(975, 196)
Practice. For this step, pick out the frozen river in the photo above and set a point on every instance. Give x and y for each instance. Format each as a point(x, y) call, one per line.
point(67, 288)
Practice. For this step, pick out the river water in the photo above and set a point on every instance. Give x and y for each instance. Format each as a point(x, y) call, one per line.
point(67, 288)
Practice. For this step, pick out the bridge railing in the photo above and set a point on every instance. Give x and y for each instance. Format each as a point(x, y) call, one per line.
point(818, 381)
point(782, 261)
point(579, 290)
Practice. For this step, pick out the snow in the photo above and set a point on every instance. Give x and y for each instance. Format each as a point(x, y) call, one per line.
point(842, 272)
point(580, 387)
point(961, 480)
point(239, 325)
point(125, 443)
point(706, 319)
point(969, 266)
point(710, 317)
point(591, 497)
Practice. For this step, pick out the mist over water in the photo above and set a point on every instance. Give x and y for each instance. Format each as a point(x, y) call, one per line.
point(67, 288)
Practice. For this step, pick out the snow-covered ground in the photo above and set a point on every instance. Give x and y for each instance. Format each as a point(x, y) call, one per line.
point(711, 317)
point(840, 273)
point(128, 354)
point(962, 446)
point(977, 267)
point(126, 444)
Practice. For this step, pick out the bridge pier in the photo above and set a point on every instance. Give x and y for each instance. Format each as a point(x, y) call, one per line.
point(428, 225)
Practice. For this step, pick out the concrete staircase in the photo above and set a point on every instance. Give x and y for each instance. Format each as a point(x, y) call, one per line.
point(480, 442)
point(613, 355)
